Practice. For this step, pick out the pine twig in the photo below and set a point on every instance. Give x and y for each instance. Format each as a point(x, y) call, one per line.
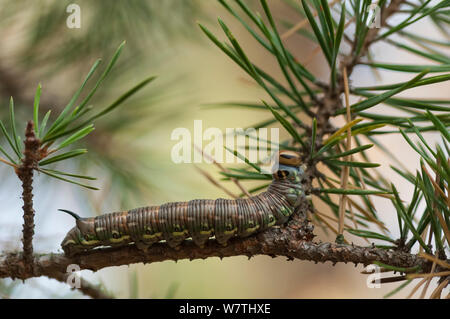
point(223, 169)
point(214, 182)
point(270, 243)
point(25, 174)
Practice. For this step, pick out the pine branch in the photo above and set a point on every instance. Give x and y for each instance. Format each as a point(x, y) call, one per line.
point(287, 242)
point(25, 174)
point(39, 143)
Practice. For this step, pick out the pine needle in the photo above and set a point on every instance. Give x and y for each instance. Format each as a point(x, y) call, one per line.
point(437, 292)
point(214, 182)
point(223, 169)
point(8, 163)
point(300, 25)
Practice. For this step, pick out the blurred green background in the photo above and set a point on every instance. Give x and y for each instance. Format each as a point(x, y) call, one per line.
point(129, 152)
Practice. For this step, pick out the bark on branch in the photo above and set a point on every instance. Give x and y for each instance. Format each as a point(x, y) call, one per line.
point(25, 174)
point(293, 242)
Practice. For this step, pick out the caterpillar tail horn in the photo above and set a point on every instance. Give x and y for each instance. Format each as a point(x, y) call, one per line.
point(70, 213)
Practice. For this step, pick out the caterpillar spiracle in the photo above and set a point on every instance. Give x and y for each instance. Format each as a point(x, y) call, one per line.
point(198, 219)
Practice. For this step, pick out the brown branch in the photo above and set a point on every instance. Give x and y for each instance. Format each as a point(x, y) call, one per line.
point(293, 242)
point(25, 174)
point(51, 265)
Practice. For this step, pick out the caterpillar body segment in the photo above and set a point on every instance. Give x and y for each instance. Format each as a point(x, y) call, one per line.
point(199, 219)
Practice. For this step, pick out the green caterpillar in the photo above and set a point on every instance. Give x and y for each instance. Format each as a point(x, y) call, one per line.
point(198, 219)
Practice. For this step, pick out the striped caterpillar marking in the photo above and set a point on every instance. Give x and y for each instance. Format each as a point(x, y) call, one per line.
point(199, 219)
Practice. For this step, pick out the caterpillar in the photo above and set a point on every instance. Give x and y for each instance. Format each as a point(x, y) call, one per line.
point(199, 219)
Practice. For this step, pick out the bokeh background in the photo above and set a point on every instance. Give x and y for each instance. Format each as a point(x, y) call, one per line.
point(129, 152)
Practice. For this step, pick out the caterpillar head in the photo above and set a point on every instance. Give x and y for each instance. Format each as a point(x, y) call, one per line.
point(290, 166)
